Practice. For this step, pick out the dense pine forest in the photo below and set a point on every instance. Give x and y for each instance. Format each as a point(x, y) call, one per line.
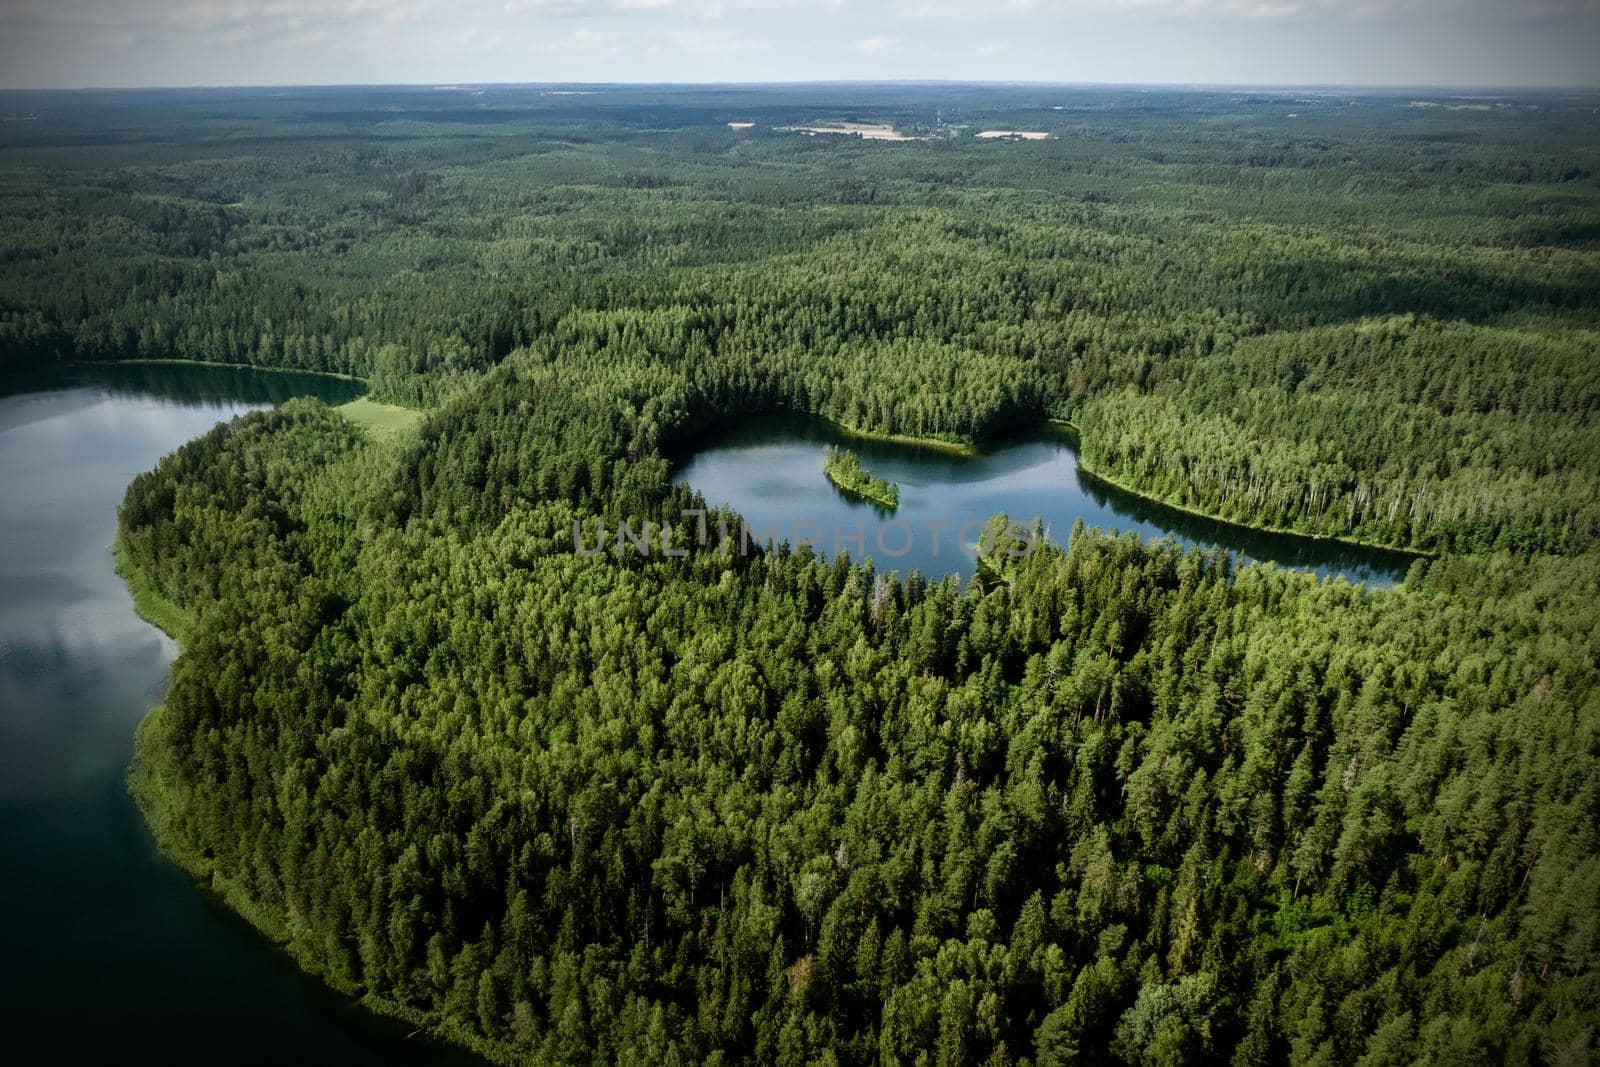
point(1118, 802)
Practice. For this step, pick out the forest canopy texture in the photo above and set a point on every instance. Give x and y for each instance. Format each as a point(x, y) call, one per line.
point(1120, 803)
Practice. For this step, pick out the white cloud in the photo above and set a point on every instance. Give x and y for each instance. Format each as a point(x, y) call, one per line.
point(211, 14)
point(699, 9)
point(76, 42)
point(1249, 10)
point(877, 45)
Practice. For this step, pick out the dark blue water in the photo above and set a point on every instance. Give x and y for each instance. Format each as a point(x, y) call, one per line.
point(769, 470)
point(110, 952)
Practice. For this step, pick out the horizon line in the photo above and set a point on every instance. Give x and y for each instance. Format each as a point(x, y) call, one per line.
point(803, 82)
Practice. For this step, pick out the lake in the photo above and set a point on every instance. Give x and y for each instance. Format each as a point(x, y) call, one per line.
point(769, 470)
point(110, 951)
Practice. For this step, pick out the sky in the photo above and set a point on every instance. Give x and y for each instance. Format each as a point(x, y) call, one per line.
point(1467, 43)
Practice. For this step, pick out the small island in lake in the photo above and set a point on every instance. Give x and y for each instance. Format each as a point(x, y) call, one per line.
point(844, 469)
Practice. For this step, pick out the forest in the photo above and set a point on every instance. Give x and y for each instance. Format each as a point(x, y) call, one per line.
point(1118, 802)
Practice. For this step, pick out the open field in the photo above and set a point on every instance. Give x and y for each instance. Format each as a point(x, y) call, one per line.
point(383, 422)
point(867, 131)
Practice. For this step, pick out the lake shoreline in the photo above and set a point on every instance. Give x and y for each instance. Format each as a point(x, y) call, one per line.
point(1278, 531)
point(955, 448)
point(1063, 488)
point(154, 798)
point(149, 603)
point(108, 905)
point(206, 363)
point(1149, 498)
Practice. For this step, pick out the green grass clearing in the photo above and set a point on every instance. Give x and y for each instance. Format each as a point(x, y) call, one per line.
point(382, 422)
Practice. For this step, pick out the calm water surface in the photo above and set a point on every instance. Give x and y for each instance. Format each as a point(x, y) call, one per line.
point(769, 470)
point(110, 953)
